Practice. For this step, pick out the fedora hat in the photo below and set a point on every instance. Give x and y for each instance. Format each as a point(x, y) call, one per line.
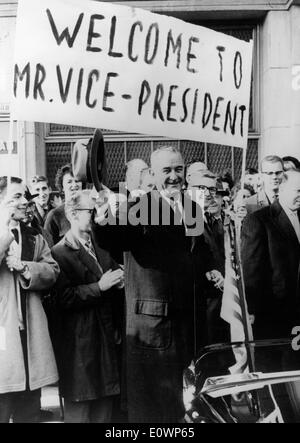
point(88, 160)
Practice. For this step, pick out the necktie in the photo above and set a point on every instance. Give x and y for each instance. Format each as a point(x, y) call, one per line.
point(177, 213)
point(90, 249)
point(15, 233)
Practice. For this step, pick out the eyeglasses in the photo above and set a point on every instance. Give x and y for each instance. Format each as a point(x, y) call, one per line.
point(85, 209)
point(211, 190)
point(277, 173)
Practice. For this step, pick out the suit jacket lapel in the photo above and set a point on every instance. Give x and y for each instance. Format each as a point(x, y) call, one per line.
point(262, 199)
point(83, 255)
point(284, 224)
point(38, 217)
point(89, 262)
point(103, 257)
point(28, 243)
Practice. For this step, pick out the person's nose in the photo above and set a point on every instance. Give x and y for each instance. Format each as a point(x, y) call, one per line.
point(173, 175)
point(23, 201)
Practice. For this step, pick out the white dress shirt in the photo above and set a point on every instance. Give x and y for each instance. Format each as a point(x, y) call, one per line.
point(175, 203)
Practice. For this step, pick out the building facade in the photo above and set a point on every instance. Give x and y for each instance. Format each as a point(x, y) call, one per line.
point(274, 124)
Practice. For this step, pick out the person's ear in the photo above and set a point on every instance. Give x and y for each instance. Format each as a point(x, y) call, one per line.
point(74, 214)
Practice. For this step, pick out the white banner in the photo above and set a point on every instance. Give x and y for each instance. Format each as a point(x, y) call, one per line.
point(97, 64)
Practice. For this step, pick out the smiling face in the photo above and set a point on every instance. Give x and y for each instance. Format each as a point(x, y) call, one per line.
point(43, 191)
point(215, 207)
point(168, 171)
point(70, 185)
point(14, 198)
point(271, 176)
point(206, 186)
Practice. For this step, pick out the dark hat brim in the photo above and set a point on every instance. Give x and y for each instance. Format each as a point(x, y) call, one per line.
point(223, 193)
point(97, 161)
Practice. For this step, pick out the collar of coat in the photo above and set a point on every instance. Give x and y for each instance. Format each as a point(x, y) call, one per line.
point(28, 242)
point(72, 241)
point(283, 223)
point(103, 257)
point(262, 198)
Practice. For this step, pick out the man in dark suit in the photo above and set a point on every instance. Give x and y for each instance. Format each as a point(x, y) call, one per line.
point(271, 173)
point(270, 255)
point(164, 275)
point(86, 353)
point(211, 191)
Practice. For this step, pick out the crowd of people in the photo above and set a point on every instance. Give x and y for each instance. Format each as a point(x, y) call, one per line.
point(113, 307)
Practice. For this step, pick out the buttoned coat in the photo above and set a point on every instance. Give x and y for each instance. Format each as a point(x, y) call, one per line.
point(165, 308)
point(270, 256)
point(86, 351)
point(41, 361)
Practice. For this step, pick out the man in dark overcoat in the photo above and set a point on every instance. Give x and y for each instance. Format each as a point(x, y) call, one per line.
point(164, 283)
point(270, 255)
point(86, 352)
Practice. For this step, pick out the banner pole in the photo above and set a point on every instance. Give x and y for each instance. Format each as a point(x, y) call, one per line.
point(244, 165)
point(10, 148)
point(246, 320)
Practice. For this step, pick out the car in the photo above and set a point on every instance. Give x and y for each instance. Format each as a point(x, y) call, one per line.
point(268, 391)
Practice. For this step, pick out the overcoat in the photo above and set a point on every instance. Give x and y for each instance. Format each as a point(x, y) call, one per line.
point(165, 309)
point(86, 349)
point(271, 257)
point(257, 201)
point(41, 361)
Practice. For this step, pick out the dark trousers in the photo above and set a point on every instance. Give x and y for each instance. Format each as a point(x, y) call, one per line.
point(23, 407)
point(93, 411)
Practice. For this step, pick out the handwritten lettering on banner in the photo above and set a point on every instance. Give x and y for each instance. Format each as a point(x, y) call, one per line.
point(98, 64)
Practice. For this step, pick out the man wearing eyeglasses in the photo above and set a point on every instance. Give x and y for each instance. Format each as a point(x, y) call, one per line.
point(84, 293)
point(271, 260)
point(210, 193)
point(167, 259)
point(271, 176)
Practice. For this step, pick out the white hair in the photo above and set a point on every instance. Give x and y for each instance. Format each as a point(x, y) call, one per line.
point(171, 149)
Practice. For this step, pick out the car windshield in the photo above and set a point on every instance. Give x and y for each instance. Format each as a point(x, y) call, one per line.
point(258, 382)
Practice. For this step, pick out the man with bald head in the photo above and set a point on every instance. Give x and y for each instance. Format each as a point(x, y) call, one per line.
point(195, 168)
point(271, 259)
point(134, 169)
point(165, 276)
